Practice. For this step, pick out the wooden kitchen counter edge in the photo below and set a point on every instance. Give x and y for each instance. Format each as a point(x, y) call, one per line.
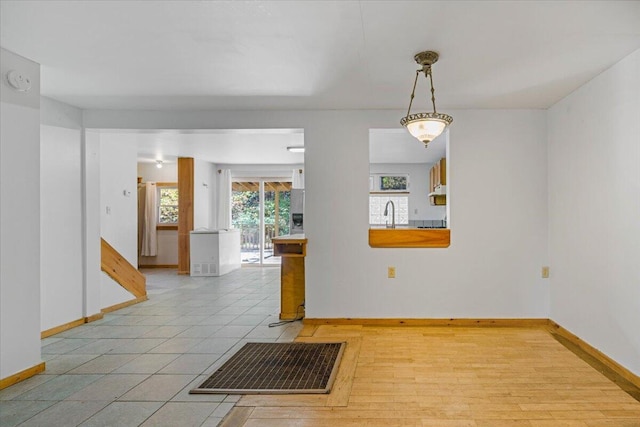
point(292, 238)
point(409, 237)
point(290, 246)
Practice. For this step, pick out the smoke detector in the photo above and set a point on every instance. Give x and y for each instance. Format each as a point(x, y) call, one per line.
point(18, 81)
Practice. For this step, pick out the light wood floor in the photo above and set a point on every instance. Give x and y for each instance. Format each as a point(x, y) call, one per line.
point(448, 376)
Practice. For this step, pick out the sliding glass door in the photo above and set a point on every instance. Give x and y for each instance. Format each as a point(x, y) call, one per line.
point(260, 209)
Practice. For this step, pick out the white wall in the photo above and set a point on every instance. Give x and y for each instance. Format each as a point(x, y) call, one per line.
point(497, 165)
point(91, 214)
point(61, 226)
point(204, 188)
point(594, 210)
point(419, 205)
point(61, 214)
point(111, 293)
point(119, 208)
point(498, 201)
point(167, 254)
point(19, 219)
point(119, 211)
point(213, 202)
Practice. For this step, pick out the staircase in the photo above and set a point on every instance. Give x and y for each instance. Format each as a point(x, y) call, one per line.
point(120, 270)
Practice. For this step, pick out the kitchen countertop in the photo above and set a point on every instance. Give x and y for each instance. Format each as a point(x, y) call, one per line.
point(290, 238)
point(409, 237)
point(404, 227)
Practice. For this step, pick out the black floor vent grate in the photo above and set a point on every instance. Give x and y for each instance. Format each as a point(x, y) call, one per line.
point(277, 368)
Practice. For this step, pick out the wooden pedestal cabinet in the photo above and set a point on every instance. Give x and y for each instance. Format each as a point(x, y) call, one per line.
point(292, 249)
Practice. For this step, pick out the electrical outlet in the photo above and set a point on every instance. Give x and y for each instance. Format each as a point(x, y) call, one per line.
point(391, 272)
point(545, 272)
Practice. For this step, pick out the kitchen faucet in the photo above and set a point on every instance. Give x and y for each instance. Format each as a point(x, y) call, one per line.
point(393, 214)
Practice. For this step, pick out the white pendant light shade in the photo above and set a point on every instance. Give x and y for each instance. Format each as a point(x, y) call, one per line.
point(427, 126)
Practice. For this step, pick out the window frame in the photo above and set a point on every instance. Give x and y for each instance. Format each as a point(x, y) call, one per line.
point(375, 183)
point(159, 187)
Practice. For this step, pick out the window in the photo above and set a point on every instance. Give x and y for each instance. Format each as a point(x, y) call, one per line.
point(393, 183)
point(398, 183)
point(167, 204)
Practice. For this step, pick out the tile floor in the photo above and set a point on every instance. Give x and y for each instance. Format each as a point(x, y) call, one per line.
point(136, 365)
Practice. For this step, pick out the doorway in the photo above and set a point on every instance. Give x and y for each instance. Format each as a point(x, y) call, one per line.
point(260, 210)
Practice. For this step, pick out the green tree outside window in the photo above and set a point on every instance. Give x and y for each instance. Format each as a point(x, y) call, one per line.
point(168, 205)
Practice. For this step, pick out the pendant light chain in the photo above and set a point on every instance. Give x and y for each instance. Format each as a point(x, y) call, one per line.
point(413, 92)
point(427, 73)
point(433, 90)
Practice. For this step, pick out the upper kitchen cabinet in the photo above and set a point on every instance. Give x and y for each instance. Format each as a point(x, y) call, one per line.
point(438, 183)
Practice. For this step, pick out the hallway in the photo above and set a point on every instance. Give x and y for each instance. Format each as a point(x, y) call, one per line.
point(136, 365)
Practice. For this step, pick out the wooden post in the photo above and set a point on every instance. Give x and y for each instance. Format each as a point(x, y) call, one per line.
point(185, 212)
point(276, 226)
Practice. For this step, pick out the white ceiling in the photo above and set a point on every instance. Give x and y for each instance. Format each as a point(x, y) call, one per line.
point(232, 146)
point(311, 55)
point(266, 146)
point(316, 54)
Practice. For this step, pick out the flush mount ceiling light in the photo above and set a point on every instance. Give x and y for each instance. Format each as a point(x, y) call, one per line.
point(159, 164)
point(296, 149)
point(425, 126)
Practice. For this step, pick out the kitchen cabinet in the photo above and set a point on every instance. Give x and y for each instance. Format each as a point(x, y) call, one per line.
point(437, 183)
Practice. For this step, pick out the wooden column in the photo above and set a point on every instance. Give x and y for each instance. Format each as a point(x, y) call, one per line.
point(185, 212)
point(276, 221)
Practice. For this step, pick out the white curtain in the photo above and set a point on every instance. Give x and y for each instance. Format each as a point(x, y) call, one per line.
point(298, 179)
point(149, 233)
point(224, 200)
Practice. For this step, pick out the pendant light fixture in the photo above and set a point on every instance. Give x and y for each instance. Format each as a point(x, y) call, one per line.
point(425, 126)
